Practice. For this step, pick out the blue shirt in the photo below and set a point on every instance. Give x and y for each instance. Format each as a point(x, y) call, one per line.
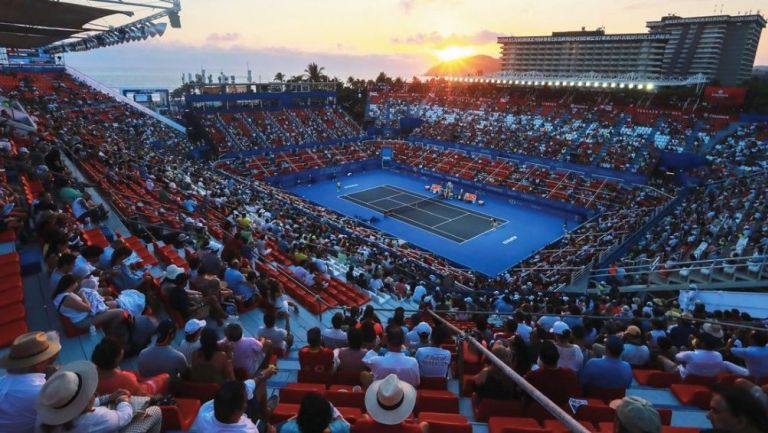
point(236, 281)
point(336, 426)
point(756, 359)
point(606, 373)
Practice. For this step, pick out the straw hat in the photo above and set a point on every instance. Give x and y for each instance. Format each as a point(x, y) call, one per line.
point(67, 393)
point(390, 401)
point(30, 349)
point(713, 329)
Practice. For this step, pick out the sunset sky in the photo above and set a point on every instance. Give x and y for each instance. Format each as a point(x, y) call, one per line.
point(362, 37)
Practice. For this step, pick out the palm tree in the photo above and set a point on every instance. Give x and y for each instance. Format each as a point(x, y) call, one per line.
point(314, 72)
point(279, 77)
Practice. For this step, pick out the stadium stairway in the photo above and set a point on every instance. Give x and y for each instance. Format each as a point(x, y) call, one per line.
point(225, 129)
point(719, 137)
point(254, 130)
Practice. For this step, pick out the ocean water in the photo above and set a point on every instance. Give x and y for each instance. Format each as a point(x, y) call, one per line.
point(155, 65)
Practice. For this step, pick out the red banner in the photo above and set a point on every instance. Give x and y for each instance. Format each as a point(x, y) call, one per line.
point(727, 96)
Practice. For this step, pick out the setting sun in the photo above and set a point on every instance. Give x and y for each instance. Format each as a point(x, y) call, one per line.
point(454, 53)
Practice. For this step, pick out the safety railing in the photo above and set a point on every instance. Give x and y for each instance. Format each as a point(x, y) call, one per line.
point(555, 410)
point(117, 95)
point(707, 269)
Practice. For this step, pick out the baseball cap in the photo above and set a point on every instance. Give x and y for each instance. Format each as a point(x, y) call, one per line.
point(559, 328)
point(423, 328)
point(194, 325)
point(633, 331)
point(637, 415)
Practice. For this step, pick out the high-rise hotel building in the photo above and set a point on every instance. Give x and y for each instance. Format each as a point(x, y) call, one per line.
point(720, 47)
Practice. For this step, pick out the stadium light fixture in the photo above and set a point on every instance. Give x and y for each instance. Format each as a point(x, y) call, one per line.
point(649, 86)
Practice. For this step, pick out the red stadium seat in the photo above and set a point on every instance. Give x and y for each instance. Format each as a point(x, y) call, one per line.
point(284, 411)
point(669, 429)
point(345, 398)
point(692, 395)
point(12, 313)
point(295, 392)
point(9, 331)
point(506, 424)
point(437, 383)
point(351, 414)
point(181, 416)
point(436, 401)
point(605, 394)
point(197, 390)
point(489, 407)
point(556, 426)
point(445, 422)
point(656, 378)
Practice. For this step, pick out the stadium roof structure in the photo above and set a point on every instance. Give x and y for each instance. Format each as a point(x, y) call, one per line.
point(37, 23)
point(589, 80)
point(59, 27)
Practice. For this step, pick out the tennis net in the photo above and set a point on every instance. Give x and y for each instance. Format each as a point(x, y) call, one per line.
point(415, 205)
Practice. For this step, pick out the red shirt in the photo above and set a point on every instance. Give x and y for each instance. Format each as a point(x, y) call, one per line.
point(128, 380)
point(558, 384)
point(315, 365)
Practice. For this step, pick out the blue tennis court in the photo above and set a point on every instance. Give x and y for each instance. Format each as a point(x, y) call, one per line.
point(399, 205)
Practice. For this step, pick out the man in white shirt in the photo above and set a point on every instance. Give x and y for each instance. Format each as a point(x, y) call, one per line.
point(705, 360)
point(434, 361)
point(335, 337)
point(26, 362)
point(191, 341)
point(394, 362)
point(419, 291)
point(281, 338)
point(226, 412)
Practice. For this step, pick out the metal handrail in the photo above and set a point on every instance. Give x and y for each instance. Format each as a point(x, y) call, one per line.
point(708, 264)
point(534, 393)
